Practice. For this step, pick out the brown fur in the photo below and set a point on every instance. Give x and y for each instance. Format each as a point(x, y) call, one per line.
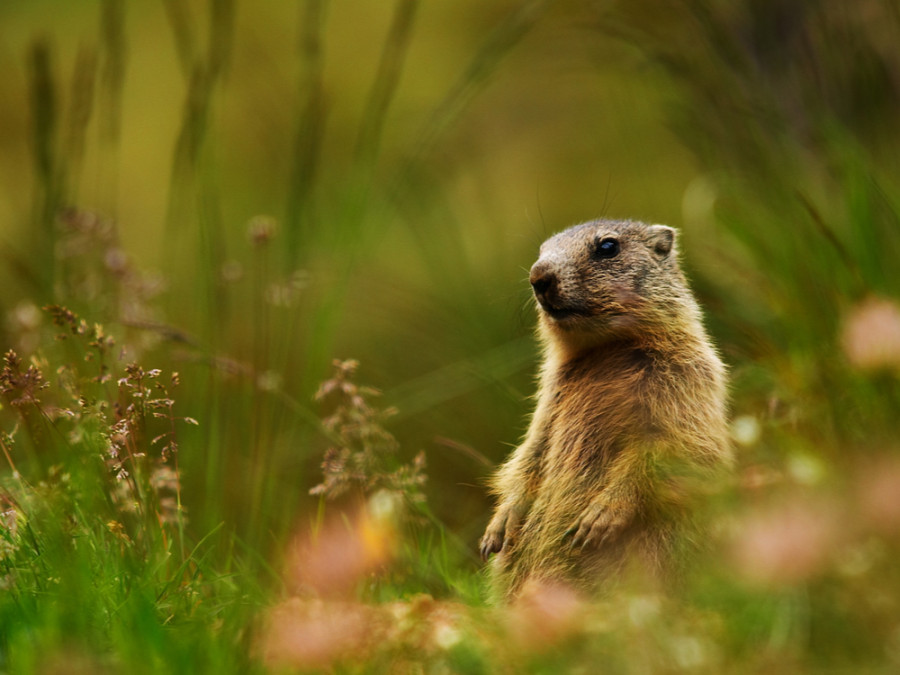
point(630, 417)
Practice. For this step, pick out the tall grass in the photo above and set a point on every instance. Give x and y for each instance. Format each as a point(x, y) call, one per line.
point(143, 539)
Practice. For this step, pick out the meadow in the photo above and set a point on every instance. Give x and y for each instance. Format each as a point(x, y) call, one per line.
point(267, 327)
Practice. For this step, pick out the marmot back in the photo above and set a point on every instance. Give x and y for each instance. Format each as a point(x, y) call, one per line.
point(630, 419)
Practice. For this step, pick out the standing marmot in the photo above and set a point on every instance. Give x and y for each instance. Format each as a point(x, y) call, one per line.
point(630, 414)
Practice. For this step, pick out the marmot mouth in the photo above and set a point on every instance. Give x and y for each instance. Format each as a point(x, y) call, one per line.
point(562, 313)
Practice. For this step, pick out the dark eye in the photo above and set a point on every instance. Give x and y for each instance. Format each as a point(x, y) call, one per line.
point(607, 248)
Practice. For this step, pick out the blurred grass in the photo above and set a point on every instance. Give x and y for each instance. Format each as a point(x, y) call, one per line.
point(242, 194)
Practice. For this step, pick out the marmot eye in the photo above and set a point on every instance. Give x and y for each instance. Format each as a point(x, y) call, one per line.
point(607, 248)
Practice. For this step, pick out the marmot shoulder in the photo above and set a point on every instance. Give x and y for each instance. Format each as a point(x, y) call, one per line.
point(630, 420)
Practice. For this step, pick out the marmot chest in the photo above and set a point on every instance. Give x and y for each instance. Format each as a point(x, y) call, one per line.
point(598, 408)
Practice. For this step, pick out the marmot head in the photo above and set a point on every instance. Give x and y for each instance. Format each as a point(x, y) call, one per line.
point(610, 278)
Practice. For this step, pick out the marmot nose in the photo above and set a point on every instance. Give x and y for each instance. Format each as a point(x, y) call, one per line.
point(543, 280)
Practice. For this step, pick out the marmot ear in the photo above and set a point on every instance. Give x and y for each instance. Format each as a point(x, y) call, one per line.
point(662, 238)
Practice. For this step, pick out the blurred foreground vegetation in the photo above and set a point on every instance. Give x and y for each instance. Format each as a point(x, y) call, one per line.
point(204, 204)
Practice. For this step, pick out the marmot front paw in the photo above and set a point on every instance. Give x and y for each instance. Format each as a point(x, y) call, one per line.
point(500, 530)
point(599, 524)
point(491, 542)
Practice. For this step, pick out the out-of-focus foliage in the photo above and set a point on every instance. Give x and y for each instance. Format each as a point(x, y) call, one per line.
point(241, 193)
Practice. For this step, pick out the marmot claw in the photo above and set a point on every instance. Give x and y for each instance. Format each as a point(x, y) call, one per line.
point(600, 524)
point(490, 543)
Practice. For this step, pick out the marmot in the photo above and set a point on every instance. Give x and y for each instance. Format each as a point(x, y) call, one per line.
point(630, 421)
